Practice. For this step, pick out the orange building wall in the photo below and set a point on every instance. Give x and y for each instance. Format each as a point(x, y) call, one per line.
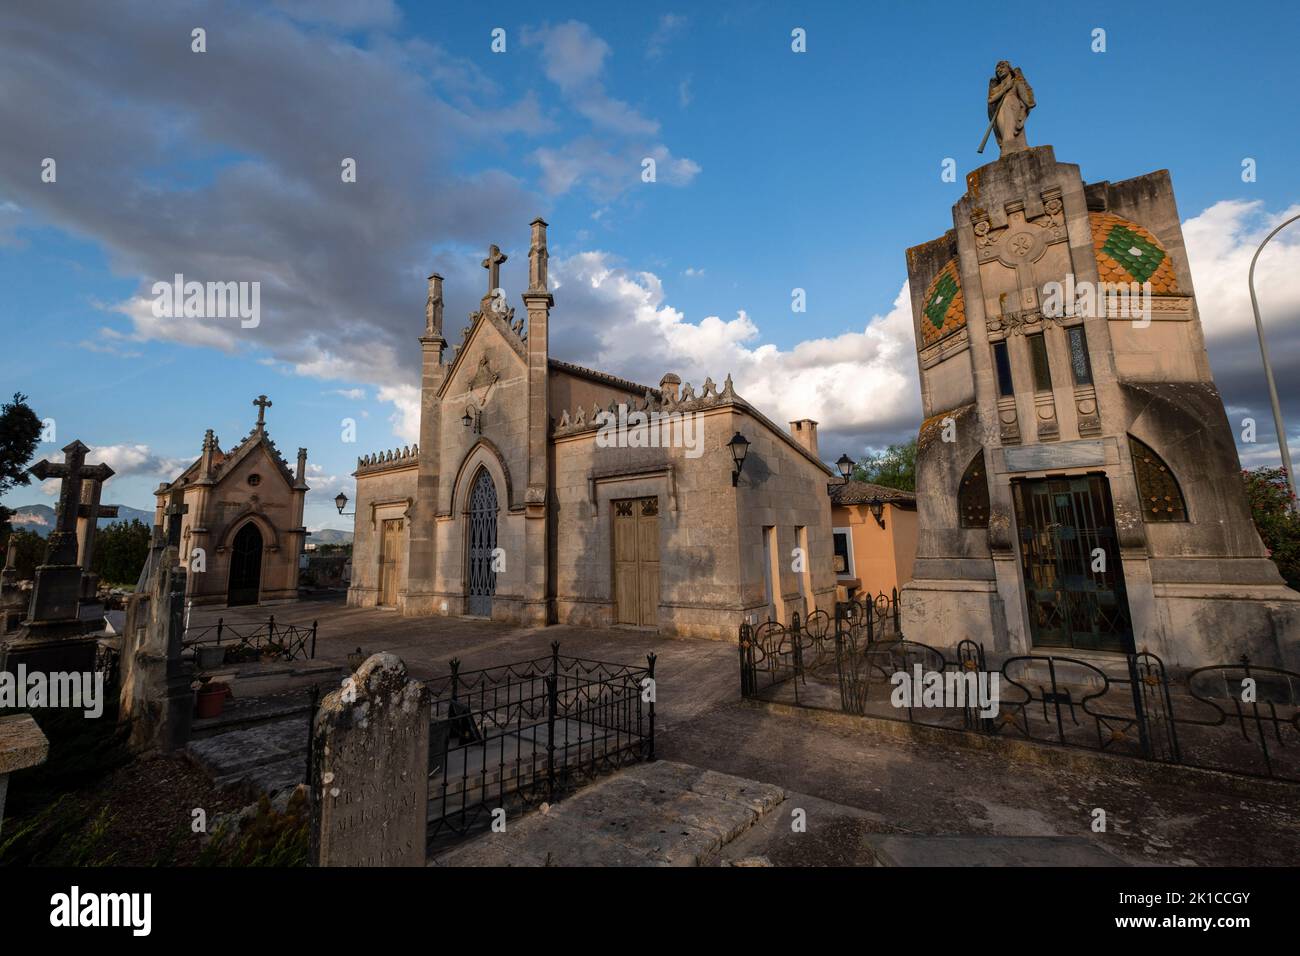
point(882, 557)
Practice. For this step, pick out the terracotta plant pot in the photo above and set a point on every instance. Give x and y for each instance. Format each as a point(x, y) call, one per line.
point(211, 700)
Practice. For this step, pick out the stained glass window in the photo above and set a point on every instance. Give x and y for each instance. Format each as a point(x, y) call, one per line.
point(1038, 358)
point(1162, 499)
point(1079, 363)
point(1003, 362)
point(973, 495)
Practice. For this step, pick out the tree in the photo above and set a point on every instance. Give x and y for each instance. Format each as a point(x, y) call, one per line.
point(121, 550)
point(895, 467)
point(1278, 526)
point(29, 549)
point(20, 431)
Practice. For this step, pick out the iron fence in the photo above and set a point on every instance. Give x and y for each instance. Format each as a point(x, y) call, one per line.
point(1237, 718)
point(255, 640)
point(513, 735)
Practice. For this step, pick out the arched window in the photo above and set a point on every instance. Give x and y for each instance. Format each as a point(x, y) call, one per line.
point(973, 495)
point(1162, 499)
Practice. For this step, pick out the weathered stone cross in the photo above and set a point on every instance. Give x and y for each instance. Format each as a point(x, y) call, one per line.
point(88, 514)
point(493, 265)
point(174, 512)
point(262, 405)
point(62, 546)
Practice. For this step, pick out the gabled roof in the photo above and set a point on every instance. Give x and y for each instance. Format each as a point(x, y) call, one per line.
point(862, 492)
point(602, 378)
point(225, 461)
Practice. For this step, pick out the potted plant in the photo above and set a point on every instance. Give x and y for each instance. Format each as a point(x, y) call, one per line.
point(210, 700)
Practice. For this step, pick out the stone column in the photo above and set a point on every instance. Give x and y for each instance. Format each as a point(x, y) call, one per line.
point(538, 301)
point(422, 557)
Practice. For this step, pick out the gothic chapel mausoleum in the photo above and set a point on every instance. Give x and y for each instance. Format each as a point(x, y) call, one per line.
point(542, 492)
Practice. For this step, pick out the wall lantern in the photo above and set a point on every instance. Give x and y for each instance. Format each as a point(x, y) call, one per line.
point(473, 419)
point(341, 502)
point(877, 511)
point(845, 465)
point(739, 446)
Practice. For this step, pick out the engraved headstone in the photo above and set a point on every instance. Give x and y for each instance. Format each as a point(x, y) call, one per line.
point(370, 766)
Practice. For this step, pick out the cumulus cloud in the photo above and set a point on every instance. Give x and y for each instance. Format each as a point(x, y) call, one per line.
point(1220, 243)
point(861, 386)
point(125, 460)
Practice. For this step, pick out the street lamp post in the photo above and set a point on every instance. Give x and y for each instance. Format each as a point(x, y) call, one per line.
point(1268, 368)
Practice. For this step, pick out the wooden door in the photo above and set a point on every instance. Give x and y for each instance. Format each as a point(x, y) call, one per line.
point(636, 561)
point(390, 554)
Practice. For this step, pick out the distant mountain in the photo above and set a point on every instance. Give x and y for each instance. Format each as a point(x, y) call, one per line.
point(329, 536)
point(40, 518)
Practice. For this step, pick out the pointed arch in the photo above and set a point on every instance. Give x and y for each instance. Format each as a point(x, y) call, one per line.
point(973, 494)
point(1158, 489)
point(270, 538)
point(484, 454)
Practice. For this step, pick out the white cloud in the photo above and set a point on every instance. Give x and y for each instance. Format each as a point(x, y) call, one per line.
point(855, 384)
point(669, 25)
point(354, 394)
point(1220, 244)
point(125, 460)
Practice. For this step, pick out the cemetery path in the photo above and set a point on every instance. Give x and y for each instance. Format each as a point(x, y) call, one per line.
point(867, 784)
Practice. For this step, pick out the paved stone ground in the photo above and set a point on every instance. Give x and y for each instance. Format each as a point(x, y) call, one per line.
point(859, 785)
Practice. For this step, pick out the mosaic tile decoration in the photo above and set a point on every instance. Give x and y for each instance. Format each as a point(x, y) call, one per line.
point(945, 307)
point(1126, 252)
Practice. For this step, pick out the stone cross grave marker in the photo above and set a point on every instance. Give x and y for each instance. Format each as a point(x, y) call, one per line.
point(58, 580)
point(370, 767)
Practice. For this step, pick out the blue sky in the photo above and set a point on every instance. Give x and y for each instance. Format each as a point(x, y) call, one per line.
point(777, 170)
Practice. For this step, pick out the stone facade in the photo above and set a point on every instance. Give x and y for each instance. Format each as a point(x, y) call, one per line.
point(512, 455)
point(1088, 428)
point(242, 510)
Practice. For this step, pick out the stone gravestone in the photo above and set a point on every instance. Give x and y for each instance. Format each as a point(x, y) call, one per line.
point(370, 767)
point(155, 695)
point(22, 745)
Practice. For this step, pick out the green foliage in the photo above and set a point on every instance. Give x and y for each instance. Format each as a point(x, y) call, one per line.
point(31, 552)
point(20, 431)
point(895, 467)
point(121, 550)
point(268, 838)
point(1278, 526)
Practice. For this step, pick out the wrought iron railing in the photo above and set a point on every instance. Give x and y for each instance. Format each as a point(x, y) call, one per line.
point(512, 736)
point(255, 640)
point(1237, 718)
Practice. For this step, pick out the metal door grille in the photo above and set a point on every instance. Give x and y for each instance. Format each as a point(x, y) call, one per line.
point(482, 542)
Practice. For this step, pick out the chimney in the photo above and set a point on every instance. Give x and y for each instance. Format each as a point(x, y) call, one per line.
point(669, 384)
point(804, 431)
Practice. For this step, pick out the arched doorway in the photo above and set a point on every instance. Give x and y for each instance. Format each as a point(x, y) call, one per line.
point(481, 579)
point(245, 566)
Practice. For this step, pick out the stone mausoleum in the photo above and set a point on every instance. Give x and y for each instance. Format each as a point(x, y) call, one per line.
point(1078, 485)
point(243, 510)
point(543, 492)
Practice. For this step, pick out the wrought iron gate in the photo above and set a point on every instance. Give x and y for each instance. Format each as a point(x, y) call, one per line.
point(1074, 583)
point(481, 578)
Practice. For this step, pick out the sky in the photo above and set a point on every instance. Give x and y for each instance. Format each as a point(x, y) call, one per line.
point(775, 171)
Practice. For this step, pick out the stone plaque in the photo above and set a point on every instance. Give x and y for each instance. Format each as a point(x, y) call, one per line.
point(370, 766)
point(1070, 454)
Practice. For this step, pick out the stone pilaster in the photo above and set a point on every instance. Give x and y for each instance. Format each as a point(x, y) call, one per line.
point(538, 301)
point(422, 553)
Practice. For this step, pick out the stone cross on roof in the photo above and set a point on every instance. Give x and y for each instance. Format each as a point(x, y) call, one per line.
point(262, 405)
point(174, 512)
point(493, 265)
